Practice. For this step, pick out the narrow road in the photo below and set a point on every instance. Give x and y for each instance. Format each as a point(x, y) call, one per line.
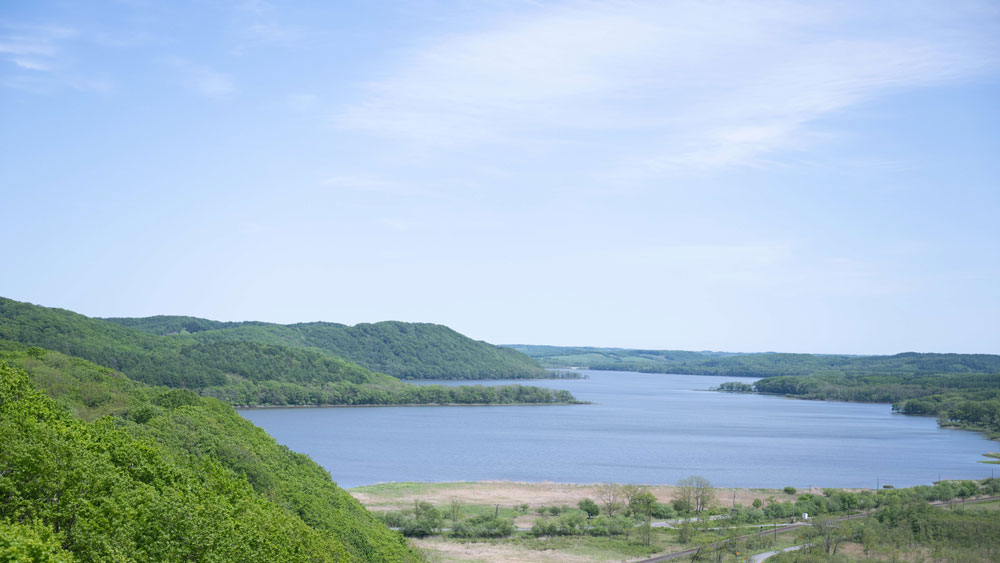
point(761, 557)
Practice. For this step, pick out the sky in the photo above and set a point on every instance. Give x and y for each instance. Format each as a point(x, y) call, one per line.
point(700, 175)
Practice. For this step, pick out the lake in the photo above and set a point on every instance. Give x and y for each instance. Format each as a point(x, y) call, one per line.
point(642, 428)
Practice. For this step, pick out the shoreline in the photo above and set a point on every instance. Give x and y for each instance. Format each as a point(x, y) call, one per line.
point(395, 495)
point(260, 407)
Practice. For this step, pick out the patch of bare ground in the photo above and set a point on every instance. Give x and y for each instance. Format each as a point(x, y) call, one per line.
point(440, 551)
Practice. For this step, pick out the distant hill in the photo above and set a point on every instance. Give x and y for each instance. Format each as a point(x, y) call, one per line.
point(176, 362)
point(404, 350)
point(757, 365)
point(102, 468)
point(245, 366)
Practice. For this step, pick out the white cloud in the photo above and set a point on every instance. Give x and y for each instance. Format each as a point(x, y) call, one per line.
point(29, 64)
point(204, 80)
point(373, 184)
point(212, 84)
point(33, 47)
point(684, 85)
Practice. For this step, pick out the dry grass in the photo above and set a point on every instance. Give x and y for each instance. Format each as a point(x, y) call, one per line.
point(394, 496)
point(441, 551)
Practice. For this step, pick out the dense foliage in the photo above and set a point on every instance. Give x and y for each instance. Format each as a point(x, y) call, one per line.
point(345, 393)
point(161, 475)
point(969, 400)
point(404, 350)
point(241, 372)
point(758, 365)
point(159, 360)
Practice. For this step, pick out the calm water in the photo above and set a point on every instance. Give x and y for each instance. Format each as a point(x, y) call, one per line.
point(644, 428)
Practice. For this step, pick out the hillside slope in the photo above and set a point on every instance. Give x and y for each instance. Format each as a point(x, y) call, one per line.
point(237, 370)
point(162, 475)
point(404, 350)
point(758, 365)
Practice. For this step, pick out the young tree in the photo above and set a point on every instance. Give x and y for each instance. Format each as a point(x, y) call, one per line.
point(642, 504)
point(590, 507)
point(611, 497)
point(697, 492)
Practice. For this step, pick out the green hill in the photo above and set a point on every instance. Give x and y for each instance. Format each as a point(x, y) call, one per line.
point(404, 350)
point(102, 468)
point(757, 365)
point(238, 370)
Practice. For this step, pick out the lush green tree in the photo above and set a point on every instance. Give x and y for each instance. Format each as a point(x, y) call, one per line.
point(642, 504)
point(590, 507)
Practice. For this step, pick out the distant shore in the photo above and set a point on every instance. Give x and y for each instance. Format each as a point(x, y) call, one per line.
point(258, 407)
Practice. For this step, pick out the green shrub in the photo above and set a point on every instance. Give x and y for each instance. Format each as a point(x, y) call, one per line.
point(485, 526)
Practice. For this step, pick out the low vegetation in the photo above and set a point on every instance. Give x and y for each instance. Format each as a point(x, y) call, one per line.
point(628, 521)
point(913, 531)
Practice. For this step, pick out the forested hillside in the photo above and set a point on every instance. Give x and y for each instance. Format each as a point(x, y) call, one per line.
point(758, 365)
point(404, 350)
point(100, 468)
point(238, 371)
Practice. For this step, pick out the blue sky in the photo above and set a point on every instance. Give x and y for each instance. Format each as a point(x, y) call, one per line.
point(789, 176)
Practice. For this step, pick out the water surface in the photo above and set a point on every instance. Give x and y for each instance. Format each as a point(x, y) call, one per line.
point(643, 428)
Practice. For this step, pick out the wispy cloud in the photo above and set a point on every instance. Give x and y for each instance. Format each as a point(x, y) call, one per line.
point(685, 85)
point(373, 184)
point(204, 80)
point(30, 64)
point(41, 60)
point(258, 23)
point(33, 47)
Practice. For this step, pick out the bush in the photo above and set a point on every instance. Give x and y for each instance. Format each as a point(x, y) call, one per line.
point(749, 515)
point(790, 490)
point(610, 526)
point(663, 511)
point(590, 507)
point(392, 519)
point(571, 523)
point(779, 510)
point(424, 520)
point(681, 506)
point(485, 526)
